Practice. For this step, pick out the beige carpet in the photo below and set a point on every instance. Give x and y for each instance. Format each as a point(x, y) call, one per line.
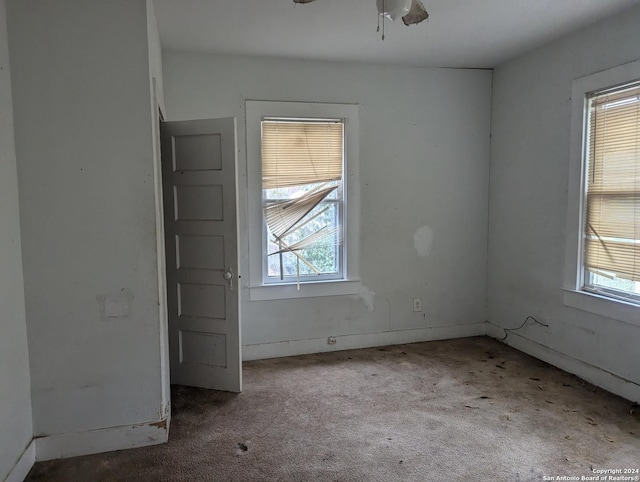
point(471, 409)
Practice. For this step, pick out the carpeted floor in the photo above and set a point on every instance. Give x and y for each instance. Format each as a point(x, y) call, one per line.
point(470, 409)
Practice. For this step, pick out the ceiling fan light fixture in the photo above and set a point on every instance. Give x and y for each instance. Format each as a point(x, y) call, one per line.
point(417, 13)
point(393, 9)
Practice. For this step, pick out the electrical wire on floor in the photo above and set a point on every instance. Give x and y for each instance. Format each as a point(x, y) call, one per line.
point(507, 330)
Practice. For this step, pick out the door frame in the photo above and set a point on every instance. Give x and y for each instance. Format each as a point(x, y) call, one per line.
point(163, 319)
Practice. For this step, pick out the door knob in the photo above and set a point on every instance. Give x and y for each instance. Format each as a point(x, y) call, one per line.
point(228, 275)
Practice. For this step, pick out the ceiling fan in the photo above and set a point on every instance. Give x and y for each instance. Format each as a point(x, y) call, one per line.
point(411, 11)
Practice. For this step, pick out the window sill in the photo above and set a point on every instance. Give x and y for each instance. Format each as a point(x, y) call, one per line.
point(603, 306)
point(307, 290)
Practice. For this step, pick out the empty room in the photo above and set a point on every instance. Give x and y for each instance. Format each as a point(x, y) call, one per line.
point(319, 240)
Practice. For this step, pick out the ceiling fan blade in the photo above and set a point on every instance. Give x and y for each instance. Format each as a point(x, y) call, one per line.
point(416, 14)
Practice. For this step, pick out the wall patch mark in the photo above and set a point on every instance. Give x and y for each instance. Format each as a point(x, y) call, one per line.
point(422, 241)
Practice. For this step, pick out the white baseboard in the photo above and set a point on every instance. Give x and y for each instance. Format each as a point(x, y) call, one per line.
point(597, 376)
point(102, 440)
point(348, 342)
point(24, 464)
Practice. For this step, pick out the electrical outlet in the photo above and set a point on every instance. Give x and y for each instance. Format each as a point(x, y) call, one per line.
point(417, 305)
point(332, 340)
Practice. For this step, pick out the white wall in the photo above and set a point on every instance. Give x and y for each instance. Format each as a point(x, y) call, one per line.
point(16, 430)
point(424, 161)
point(155, 53)
point(529, 169)
point(85, 147)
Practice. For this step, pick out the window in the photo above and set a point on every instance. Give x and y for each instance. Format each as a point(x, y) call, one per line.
point(303, 199)
point(612, 206)
point(602, 256)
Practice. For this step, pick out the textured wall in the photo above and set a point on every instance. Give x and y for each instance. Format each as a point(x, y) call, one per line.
point(83, 116)
point(529, 180)
point(16, 429)
point(424, 161)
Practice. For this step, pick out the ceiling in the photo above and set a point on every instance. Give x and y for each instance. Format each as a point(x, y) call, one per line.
point(459, 33)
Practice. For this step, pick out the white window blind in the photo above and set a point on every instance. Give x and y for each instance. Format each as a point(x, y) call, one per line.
point(302, 170)
point(297, 153)
point(612, 224)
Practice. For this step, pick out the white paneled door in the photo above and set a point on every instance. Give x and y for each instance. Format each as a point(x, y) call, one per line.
point(200, 209)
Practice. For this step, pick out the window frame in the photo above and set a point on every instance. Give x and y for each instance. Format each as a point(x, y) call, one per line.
point(576, 294)
point(259, 288)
